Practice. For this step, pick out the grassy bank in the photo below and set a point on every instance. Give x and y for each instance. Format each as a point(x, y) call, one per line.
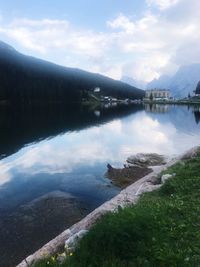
point(162, 230)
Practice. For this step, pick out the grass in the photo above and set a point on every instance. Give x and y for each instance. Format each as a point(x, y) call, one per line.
point(161, 230)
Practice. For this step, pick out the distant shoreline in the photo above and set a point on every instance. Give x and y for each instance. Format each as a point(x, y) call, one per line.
point(173, 102)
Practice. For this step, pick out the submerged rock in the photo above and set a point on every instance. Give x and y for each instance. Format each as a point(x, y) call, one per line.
point(126, 176)
point(37, 222)
point(110, 168)
point(136, 167)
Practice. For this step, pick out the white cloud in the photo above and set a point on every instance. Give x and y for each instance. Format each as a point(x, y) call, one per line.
point(150, 66)
point(144, 46)
point(39, 23)
point(162, 4)
point(122, 22)
point(45, 35)
point(159, 40)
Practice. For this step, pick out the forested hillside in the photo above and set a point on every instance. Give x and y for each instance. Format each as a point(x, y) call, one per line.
point(27, 79)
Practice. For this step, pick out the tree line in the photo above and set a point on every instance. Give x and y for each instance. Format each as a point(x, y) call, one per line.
point(27, 79)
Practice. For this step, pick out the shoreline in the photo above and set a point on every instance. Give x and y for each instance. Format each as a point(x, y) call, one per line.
point(129, 195)
point(172, 102)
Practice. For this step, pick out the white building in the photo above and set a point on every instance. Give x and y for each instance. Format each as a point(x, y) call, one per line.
point(157, 94)
point(97, 90)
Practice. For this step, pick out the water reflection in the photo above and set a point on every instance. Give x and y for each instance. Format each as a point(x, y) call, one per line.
point(157, 108)
point(197, 114)
point(65, 170)
point(24, 125)
point(160, 108)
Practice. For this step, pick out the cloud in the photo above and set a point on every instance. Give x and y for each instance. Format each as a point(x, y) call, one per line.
point(144, 44)
point(46, 35)
point(165, 36)
point(122, 22)
point(162, 4)
point(158, 43)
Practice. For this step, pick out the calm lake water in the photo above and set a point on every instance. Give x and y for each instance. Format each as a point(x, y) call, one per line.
point(53, 163)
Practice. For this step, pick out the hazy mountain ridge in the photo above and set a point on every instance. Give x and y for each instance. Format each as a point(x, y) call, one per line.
point(162, 82)
point(133, 82)
point(182, 83)
point(25, 78)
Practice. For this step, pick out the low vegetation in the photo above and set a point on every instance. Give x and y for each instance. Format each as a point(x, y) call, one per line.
point(163, 229)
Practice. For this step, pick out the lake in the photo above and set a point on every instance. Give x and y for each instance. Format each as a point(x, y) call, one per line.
point(53, 162)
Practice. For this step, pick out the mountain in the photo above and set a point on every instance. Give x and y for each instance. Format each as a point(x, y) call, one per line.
point(163, 83)
point(27, 79)
point(133, 82)
point(183, 82)
point(198, 88)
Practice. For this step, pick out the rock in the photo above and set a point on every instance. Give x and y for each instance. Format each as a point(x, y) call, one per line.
point(61, 258)
point(192, 153)
point(71, 243)
point(144, 160)
point(148, 188)
point(110, 168)
point(165, 177)
point(135, 168)
point(126, 176)
point(155, 180)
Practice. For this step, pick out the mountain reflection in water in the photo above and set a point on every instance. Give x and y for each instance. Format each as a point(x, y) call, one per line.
point(23, 125)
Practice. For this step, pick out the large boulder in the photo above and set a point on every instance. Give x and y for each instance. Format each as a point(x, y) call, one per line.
point(145, 160)
point(71, 243)
point(166, 177)
point(190, 154)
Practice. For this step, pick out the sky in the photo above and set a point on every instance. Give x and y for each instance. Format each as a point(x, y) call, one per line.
point(142, 39)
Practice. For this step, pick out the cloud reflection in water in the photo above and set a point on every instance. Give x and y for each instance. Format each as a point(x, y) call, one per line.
point(112, 142)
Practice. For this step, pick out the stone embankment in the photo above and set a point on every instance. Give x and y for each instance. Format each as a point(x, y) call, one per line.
point(129, 195)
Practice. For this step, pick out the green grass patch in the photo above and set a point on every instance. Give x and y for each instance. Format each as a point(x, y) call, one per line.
point(161, 230)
